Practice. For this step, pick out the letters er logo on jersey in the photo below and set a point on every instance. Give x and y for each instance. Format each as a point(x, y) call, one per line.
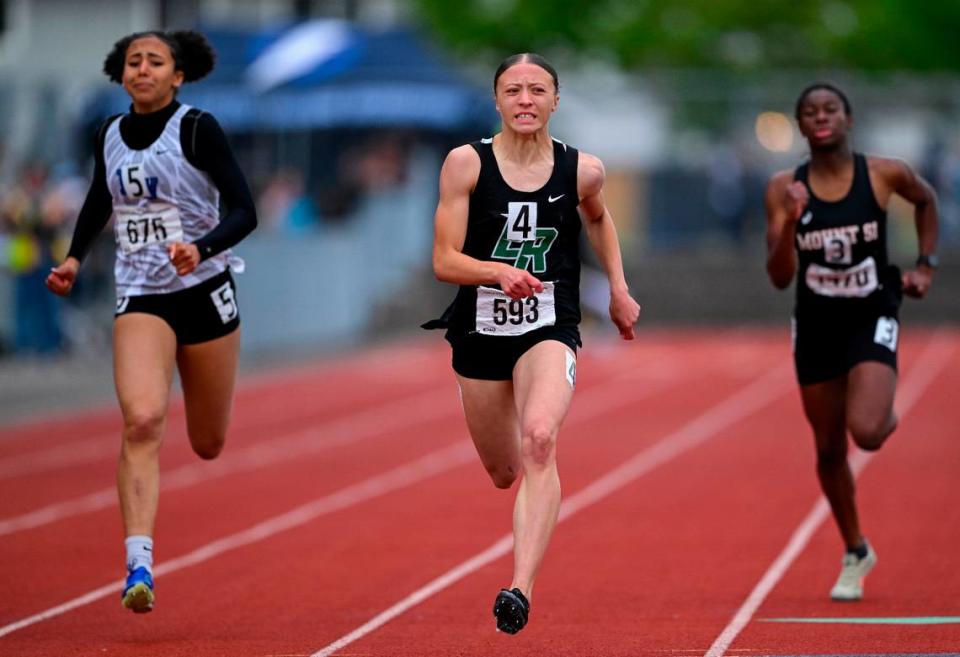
point(522, 242)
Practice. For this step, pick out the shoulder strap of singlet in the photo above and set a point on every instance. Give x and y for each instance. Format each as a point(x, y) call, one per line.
point(802, 172)
point(102, 132)
point(860, 171)
point(861, 180)
point(484, 148)
point(488, 162)
point(191, 120)
point(569, 159)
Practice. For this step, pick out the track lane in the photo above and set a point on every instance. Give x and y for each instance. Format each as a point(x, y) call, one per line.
point(282, 478)
point(910, 508)
point(308, 582)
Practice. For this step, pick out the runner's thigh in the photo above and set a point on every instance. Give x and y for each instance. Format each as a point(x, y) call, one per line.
point(544, 379)
point(491, 415)
point(144, 350)
point(208, 372)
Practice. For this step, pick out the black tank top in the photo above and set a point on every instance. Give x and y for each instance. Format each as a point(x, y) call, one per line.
point(537, 231)
point(842, 249)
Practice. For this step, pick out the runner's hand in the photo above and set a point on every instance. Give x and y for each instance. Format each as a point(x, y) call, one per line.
point(624, 311)
point(518, 283)
point(61, 278)
point(916, 282)
point(796, 199)
point(185, 257)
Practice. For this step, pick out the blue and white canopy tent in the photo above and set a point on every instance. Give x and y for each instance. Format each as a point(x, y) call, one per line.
point(325, 74)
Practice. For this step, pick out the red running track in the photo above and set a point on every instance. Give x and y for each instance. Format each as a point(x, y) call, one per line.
point(350, 516)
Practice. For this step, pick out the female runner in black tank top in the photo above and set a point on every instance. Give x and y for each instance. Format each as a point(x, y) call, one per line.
point(195, 330)
point(826, 222)
point(506, 225)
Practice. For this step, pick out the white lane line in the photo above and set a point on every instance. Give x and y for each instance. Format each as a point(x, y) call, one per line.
point(929, 364)
point(596, 401)
point(405, 475)
point(370, 422)
point(342, 431)
point(104, 445)
point(741, 404)
point(61, 456)
point(107, 445)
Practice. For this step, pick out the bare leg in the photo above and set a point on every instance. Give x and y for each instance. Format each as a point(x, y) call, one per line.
point(543, 395)
point(491, 415)
point(208, 372)
point(870, 391)
point(825, 407)
point(144, 348)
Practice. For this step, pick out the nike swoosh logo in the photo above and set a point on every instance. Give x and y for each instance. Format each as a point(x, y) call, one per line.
point(805, 219)
point(551, 199)
point(162, 151)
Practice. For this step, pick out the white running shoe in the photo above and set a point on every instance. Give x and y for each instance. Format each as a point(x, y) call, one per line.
point(849, 585)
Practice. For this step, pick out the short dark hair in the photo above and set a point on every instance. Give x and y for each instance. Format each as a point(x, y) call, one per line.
point(191, 51)
point(825, 86)
point(526, 58)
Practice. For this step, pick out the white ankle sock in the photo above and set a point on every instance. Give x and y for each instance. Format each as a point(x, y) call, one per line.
point(139, 552)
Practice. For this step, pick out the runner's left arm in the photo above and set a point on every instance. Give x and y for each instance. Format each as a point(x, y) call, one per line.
point(916, 190)
point(214, 155)
point(602, 233)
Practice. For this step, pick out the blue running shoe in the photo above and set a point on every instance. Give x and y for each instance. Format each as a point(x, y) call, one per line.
point(512, 610)
point(138, 593)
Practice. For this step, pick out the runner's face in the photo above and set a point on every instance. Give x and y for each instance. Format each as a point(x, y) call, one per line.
point(823, 119)
point(148, 74)
point(526, 97)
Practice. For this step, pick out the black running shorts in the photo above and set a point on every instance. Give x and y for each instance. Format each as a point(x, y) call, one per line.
point(200, 313)
point(825, 348)
point(492, 358)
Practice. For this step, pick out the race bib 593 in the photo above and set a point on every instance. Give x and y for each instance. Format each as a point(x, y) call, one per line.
point(498, 314)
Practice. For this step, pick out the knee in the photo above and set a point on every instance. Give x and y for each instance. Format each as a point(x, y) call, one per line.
point(208, 447)
point(871, 436)
point(503, 476)
point(143, 426)
point(539, 445)
point(833, 456)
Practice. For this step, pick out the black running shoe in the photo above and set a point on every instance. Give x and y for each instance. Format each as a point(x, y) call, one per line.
point(511, 609)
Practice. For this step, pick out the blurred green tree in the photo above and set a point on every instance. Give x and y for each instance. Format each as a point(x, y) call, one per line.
point(744, 35)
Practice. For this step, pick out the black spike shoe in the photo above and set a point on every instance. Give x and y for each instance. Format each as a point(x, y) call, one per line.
point(511, 609)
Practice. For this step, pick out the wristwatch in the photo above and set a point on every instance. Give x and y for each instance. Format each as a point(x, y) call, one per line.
point(928, 260)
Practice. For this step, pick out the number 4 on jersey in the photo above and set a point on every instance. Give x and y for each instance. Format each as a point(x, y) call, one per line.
point(521, 221)
point(522, 242)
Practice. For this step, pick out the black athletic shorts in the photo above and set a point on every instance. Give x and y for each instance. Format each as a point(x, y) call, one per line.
point(200, 313)
point(478, 356)
point(827, 347)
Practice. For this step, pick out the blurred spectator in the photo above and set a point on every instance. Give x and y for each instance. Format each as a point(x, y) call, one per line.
point(31, 238)
point(725, 189)
point(284, 204)
point(377, 164)
point(941, 166)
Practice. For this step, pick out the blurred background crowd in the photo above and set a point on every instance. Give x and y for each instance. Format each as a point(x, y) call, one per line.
point(341, 111)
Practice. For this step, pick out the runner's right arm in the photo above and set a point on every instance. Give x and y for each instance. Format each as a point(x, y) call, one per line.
point(458, 176)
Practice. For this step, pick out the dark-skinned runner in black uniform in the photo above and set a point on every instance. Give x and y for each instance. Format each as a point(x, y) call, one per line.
point(826, 224)
point(162, 171)
point(507, 224)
